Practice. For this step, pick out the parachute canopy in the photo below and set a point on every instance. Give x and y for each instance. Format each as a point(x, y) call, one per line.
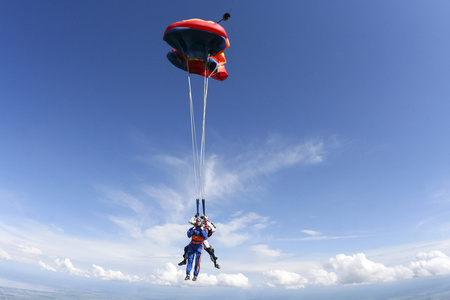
point(198, 47)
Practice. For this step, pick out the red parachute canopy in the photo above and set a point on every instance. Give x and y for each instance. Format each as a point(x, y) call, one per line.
point(198, 47)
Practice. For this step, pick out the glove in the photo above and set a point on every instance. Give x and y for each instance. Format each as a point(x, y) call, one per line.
point(196, 215)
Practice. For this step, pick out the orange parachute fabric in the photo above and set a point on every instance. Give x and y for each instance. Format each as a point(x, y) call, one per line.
point(214, 66)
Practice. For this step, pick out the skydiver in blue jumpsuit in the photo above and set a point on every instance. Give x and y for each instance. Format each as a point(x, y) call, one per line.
point(207, 246)
point(195, 248)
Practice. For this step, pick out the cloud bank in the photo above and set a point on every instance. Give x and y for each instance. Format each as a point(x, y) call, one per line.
point(358, 269)
point(170, 275)
point(66, 266)
point(288, 280)
point(338, 270)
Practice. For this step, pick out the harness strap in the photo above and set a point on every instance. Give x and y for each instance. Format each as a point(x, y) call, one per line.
point(197, 240)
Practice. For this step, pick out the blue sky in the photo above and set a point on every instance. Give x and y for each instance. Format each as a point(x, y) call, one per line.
point(326, 148)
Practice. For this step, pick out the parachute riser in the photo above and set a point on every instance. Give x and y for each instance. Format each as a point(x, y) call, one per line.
point(203, 206)
point(198, 206)
point(197, 201)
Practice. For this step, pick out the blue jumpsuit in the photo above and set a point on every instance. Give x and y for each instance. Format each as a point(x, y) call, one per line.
point(195, 248)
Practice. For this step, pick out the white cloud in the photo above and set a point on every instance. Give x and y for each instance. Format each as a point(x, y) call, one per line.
point(357, 269)
point(228, 237)
point(66, 265)
point(131, 227)
point(225, 280)
point(277, 154)
point(431, 264)
point(99, 272)
point(173, 276)
point(134, 256)
point(170, 275)
point(205, 280)
point(233, 280)
point(285, 279)
point(263, 250)
point(311, 232)
point(168, 234)
point(219, 181)
point(4, 254)
point(46, 267)
point(232, 234)
point(224, 178)
point(170, 203)
point(171, 160)
point(30, 249)
point(322, 277)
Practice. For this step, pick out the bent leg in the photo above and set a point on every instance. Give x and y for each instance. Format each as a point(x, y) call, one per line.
point(213, 257)
point(210, 251)
point(183, 262)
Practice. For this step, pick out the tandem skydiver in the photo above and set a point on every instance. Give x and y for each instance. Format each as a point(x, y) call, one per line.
point(198, 234)
point(211, 229)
